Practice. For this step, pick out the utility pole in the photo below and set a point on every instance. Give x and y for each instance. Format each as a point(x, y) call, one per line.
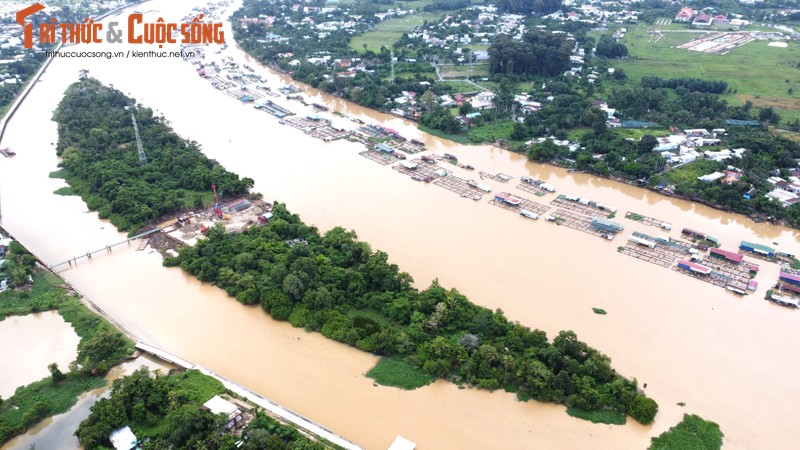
point(142, 157)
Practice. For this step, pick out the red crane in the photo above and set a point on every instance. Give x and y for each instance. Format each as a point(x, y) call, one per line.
point(217, 210)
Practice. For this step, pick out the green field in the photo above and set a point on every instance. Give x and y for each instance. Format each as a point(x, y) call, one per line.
point(462, 71)
point(754, 71)
point(389, 31)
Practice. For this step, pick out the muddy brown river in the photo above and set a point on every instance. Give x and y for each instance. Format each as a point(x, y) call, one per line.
point(728, 358)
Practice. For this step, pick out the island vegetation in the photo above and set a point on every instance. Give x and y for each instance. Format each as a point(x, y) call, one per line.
point(101, 346)
point(692, 433)
point(165, 411)
point(336, 285)
point(97, 144)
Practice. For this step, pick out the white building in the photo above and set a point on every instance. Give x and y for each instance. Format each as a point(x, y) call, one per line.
point(123, 438)
point(484, 100)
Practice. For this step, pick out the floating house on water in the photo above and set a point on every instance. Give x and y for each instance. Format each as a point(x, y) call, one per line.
point(694, 267)
point(731, 257)
point(602, 224)
point(757, 248)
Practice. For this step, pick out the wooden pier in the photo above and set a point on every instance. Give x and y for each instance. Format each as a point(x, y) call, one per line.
point(459, 186)
point(500, 177)
point(587, 210)
point(381, 158)
point(531, 189)
point(649, 221)
point(526, 204)
point(658, 256)
point(572, 219)
point(423, 169)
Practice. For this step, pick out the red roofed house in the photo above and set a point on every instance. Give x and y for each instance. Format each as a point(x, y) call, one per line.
point(702, 20)
point(684, 15)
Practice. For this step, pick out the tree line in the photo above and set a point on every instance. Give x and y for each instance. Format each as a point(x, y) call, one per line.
point(525, 7)
point(164, 411)
point(691, 84)
point(336, 285)
point(539, 53)
point(97, 145)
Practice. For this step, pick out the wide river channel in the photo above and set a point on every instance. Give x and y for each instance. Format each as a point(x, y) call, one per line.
point(729, 358)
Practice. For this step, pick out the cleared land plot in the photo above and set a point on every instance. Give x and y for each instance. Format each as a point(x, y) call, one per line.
point(389, 31)
point(717, 43)
point(755, 69)
point(463, 71)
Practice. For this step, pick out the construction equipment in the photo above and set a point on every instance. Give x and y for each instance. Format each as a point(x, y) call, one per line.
point(217, 210)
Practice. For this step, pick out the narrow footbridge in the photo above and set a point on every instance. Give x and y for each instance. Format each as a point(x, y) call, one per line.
point(106, 249)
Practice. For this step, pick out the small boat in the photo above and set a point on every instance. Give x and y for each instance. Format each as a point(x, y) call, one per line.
point(7, 152)
point(528, 214)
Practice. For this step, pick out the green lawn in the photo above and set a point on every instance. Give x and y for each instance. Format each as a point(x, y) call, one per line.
point(462, 71)
point(687, 174)
point(462, 86)
point(389, 31)
point(754, 71)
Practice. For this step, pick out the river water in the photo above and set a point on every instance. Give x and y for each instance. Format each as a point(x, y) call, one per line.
point(58, 432)
point(30, 344)
point(724, 356)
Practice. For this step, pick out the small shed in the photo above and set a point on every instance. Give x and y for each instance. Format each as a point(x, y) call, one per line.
point(218, 405)
point(384, 148)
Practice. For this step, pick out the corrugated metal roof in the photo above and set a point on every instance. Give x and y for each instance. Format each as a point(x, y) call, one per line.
point(727, 255)
point(791, 278)
point(694, 267)
point(757, 247)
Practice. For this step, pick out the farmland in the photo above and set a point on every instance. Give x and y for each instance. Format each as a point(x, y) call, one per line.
point(754, 72)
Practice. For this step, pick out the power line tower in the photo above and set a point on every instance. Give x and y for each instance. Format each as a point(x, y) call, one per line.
point(392, 61)
point(142, 157)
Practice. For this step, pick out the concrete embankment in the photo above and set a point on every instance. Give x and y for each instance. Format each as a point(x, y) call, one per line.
point(267, 404)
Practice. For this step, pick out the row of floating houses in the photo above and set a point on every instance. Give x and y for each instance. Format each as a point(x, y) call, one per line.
point(788, 284)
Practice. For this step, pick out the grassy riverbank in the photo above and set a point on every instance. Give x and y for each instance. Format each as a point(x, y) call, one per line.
point(101, 346)
point(397, 372)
